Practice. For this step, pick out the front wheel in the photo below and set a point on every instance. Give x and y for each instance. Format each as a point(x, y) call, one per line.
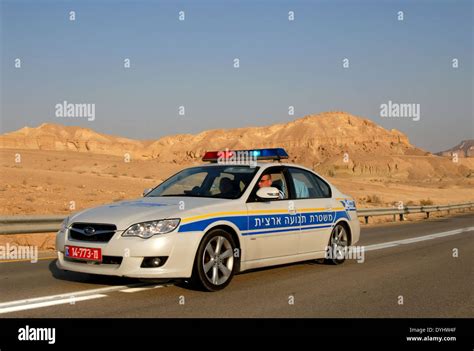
point(214, 265)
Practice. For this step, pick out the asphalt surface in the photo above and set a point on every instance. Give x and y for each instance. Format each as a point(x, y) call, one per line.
point(407, 278)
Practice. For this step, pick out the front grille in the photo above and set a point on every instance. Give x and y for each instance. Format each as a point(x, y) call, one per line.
point(92, 232)
point(112, 259)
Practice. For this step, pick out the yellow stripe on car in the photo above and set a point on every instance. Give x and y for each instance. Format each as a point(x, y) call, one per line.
point(284, 210)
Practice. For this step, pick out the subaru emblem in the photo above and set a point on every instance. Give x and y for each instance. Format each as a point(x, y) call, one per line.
point(89, 231)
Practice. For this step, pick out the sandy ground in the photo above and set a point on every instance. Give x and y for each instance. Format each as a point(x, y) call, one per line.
point(57, 182)
point(379, 192)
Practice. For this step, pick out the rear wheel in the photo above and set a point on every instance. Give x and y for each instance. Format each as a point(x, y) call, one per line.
point(338, 245)
point(214, 265)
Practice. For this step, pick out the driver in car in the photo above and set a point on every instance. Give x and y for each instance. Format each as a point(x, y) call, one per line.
point(266, 181)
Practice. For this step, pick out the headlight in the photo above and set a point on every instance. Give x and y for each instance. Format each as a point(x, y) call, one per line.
point(64, 225)
point(146, 230)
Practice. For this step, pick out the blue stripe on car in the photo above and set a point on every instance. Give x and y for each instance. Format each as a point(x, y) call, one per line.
point(281, 223)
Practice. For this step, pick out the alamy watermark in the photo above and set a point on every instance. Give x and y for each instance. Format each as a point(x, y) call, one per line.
point(37, 334)
point(348, 253)
point(15, 252)
point(69, 110)
point(400, 110)
point(242, 157)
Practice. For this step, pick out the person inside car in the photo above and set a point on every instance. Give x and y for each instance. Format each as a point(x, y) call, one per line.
point(226, 188)
point(301, 189)
point(266, 181)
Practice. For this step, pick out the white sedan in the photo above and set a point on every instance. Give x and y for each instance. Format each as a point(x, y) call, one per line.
point(207, 223)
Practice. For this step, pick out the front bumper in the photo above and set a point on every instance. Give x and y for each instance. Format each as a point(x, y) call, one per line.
point(180, 248)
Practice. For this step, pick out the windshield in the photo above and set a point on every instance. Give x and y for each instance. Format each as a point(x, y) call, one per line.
point(225, 182)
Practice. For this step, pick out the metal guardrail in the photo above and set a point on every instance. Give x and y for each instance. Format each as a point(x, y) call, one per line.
point(48, 224)
point(30, 224)
point(404, 210)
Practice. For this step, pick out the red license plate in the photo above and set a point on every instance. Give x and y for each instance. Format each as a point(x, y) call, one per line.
point(83, 253)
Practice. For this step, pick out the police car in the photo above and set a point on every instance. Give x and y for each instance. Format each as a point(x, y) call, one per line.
point(207, 223)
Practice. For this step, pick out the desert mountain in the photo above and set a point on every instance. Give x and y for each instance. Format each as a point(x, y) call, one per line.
point(331, 142)
point(321, 136)
point(464, 149)
point(313, 138)
point(57, 137)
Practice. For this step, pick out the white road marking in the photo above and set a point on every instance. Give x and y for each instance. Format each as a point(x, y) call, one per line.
point(84, 295)
point(69, 295)
point(77, 296)
point(31, 306)
point(416, 239)
point(73, 296)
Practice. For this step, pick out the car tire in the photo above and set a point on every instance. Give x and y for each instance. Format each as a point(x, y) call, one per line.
point(338, 242)
point(214, 264)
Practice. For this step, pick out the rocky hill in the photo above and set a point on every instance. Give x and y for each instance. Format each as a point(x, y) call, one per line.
point(331, 142)
point(57, 137)
point(464, 149)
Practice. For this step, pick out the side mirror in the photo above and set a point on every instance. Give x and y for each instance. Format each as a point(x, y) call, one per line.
point(268, 193)
point(146, 191)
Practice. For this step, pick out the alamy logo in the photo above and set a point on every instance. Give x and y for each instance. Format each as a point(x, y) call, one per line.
point(396, 110)
point(37, 334)
point(15, 252)
point(68, 110)
point(349, 253)
point(241, 157)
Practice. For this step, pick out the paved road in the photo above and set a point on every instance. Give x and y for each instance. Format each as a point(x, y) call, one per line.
point(421, 272)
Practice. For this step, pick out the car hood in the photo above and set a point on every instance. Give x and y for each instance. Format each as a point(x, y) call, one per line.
point(125, 213)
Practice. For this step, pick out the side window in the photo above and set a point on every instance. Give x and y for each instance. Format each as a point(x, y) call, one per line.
point(273, 177)
point(307, 185)
point(325, 189)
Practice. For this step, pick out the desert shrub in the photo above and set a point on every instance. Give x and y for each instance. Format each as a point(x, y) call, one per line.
point(426, 202)
point(374, 199)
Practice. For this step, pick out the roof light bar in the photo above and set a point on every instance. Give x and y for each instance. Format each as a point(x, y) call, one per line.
point(275, 154)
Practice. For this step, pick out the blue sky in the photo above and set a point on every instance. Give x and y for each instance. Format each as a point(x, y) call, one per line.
point(282, 63)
